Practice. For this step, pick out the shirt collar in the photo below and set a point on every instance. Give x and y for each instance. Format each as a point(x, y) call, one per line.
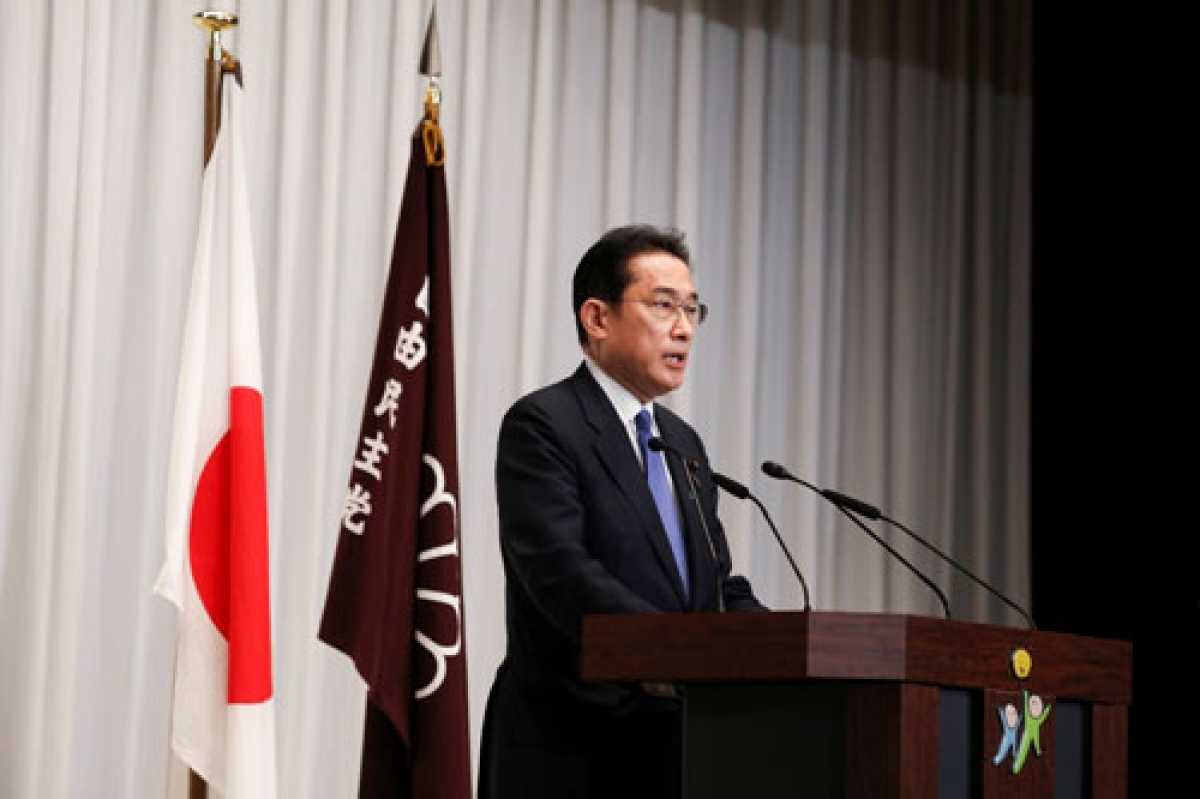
point(623, 401)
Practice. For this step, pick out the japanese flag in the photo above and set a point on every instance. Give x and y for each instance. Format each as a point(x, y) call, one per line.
point(217, 566)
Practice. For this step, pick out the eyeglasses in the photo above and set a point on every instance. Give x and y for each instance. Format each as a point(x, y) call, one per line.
point(665, 309)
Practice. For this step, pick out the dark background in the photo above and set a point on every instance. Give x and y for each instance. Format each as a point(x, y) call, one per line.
point(1113, 331)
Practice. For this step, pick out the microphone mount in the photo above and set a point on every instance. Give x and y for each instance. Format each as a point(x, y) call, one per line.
point(962, 569)
point(741, 492)
point(690, 465)
point(772, 469)
point(871, 512)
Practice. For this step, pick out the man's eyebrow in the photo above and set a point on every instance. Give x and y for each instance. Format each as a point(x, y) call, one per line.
point(694, 295)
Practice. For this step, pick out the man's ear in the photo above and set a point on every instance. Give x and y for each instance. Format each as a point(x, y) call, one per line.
point(594, 316)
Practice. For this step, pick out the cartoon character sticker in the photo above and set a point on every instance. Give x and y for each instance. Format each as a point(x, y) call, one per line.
point(1035, 713)
point(1010, 723)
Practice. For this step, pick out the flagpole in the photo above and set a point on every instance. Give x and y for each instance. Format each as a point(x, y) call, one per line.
point(217, 61)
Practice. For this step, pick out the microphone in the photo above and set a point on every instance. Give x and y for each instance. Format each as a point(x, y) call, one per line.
point(872, 512)
point(689, 467)
point(741, 492)
point(772, 469)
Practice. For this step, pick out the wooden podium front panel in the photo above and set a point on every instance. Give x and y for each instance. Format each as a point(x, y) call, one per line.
point(816, 739)
point(767, 740)
point(1110, 752)
point(891, 741)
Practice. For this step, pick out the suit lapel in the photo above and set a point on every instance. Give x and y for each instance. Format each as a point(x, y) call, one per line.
point(613, 449)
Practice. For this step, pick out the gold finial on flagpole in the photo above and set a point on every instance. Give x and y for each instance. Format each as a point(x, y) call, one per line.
point(214, 22)
point(431, 68)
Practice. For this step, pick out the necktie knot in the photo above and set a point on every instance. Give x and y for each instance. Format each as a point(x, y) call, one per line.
point(642, 423)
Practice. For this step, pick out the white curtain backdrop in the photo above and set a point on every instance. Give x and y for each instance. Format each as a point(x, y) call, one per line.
point(854, 178)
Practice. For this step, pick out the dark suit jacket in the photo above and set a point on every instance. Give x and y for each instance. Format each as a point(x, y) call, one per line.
point(580, 534)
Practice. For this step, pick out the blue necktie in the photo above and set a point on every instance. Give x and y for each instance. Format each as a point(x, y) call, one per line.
point(664, 497)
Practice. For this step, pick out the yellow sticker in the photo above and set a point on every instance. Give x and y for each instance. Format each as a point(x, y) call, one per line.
point(1022, 662)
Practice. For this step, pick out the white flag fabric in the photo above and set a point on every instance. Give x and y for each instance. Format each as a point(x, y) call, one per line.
point(217, 565)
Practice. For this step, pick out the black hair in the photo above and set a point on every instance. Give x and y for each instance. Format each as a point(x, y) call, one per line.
point(603, 271)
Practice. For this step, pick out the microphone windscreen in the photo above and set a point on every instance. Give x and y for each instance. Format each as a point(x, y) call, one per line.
point(731, 485)
point(773, 469)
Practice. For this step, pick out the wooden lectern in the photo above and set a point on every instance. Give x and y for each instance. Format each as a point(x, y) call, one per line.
point(868, 705)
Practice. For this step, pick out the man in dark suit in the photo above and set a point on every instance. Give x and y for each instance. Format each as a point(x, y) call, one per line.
point(580, 533)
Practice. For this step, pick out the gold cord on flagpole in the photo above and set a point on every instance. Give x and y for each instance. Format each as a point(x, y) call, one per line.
point(217, 62)
point(431, 132)
point(431, 68)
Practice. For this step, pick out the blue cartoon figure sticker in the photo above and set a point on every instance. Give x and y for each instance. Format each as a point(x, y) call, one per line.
point(1010, 723)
